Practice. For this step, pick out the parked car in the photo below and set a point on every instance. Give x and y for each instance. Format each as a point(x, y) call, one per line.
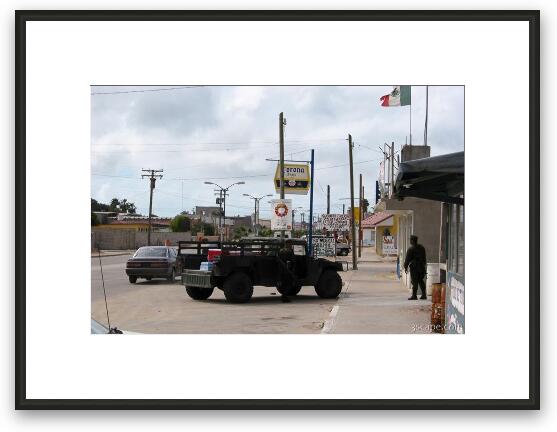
point(150, 262)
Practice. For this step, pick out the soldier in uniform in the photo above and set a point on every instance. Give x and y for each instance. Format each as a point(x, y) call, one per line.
point(416, 259)
point(286, 255)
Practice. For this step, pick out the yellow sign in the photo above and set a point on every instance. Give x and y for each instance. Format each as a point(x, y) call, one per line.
point(296, 179)
point(357, 214)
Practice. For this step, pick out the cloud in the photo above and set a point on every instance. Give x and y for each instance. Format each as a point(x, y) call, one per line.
point(227, 132)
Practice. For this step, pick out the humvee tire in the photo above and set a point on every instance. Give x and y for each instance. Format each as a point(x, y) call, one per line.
point(289, 291)
point(199, 293)
point(329, 285)
point(133, 279)
point(238, 288)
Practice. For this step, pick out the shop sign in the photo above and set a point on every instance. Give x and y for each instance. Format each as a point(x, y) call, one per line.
point(454, 300)
point(336, 222)
point(296, 179)
point(281, 214)
point(324, 246)
point(389, 247)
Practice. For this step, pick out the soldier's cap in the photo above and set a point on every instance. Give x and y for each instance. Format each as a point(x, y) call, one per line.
point(414, 238)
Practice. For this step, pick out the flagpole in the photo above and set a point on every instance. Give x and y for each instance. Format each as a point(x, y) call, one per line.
point(410, 105)
point(426, 111)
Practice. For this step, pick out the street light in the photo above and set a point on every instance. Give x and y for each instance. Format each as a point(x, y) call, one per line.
point(223, 193)
point(293, 219)
point(256, 211)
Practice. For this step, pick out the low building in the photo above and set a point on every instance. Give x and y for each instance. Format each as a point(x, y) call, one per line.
point(104, 216)
point(208, 214)
point(415, 215)
point(376, 230)
point(136, 223)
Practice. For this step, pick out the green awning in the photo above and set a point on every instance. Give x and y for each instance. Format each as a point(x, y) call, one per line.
point(438, 178)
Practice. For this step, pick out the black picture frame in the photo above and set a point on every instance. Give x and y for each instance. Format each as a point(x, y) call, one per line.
point(532, 17)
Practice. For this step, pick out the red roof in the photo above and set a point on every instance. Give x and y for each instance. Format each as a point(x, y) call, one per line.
point(374, 219)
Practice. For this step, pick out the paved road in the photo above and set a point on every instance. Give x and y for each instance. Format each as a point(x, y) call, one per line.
point(372, 301)
point(158, 306)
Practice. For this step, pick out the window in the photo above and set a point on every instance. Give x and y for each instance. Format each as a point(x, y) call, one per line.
point(456, 239)
point(460, 241)
point(151, 252)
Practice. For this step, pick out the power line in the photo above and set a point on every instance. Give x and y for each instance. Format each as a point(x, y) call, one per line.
point(183, 144)
point(176, 151)
point(186, 150)
point(355, 163)
point(145, 90)
point(187, 179)
point(221, 178)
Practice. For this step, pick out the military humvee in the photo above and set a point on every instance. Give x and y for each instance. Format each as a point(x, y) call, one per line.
point(269, 262)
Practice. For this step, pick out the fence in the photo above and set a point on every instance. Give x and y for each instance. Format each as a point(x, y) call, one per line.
point(131, 239)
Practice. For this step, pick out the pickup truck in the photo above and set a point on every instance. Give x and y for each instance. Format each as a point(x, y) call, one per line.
point(269, 262)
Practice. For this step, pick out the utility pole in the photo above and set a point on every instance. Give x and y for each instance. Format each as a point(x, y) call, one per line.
point(328, 199)
point(360, 220)
point(281, 157)
point(153, 178)
point(354, 260)
point(224, 213)
point(219, 202)
point(256, 213)
point(224, 194)
point(393, 167)
point(343, 209)
point(220, 214)
point(426, 109)
point(312, 182)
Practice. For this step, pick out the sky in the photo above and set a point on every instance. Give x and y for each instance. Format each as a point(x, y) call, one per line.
point(224, 134)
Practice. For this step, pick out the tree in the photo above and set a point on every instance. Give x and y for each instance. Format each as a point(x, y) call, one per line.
point(365, 205)
point(114, 203)
point(94, 219)
point(208, 229)
point(127, 207)
point(97, 206)
point(240, 232)
point(199, 226)
point(121, 206)
point(180, 223)
point(265, 232)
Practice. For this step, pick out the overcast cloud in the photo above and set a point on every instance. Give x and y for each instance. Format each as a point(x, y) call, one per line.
point(225, 134)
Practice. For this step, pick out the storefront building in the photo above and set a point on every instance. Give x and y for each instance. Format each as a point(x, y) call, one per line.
point(441, 179)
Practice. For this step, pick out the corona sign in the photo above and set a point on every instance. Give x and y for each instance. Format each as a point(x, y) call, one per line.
point(296, 179)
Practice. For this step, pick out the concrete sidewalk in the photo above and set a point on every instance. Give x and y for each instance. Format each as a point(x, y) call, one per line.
point(374, 301)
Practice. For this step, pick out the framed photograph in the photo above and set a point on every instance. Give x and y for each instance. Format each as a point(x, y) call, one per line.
point(277, 207)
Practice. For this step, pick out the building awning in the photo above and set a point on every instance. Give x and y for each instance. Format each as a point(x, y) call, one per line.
point(438, 178)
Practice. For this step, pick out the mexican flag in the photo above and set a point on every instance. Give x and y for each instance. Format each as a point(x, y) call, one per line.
point(400, 96)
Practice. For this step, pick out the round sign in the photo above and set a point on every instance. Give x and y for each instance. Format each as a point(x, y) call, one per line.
point(281, 210)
